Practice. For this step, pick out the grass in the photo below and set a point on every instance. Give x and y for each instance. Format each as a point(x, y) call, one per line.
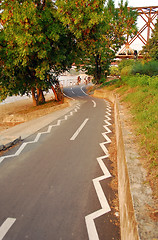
point(141, 94)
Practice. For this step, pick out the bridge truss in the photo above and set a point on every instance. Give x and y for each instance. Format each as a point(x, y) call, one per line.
point(149, 15)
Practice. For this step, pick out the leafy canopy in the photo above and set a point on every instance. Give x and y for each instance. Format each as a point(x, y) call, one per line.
point(99, 29)
point(151, 49)
point(33, 41)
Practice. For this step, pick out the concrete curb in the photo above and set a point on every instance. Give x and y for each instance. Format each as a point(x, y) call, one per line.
point(9, 142)
point(128, 224)
point(135, 197)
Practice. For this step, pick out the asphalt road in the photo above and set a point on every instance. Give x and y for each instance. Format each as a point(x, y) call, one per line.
point(57, 187)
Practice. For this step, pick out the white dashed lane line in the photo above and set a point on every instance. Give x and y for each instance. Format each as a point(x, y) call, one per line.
point(4, 228)
point(79, 129)
point(94, 103)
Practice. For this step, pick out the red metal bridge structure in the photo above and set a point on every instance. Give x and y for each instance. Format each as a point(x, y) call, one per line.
point(149, 15)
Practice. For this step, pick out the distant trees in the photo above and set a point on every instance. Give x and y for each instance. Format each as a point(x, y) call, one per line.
point(151, 49)
point(32, 42)
point(100, 30)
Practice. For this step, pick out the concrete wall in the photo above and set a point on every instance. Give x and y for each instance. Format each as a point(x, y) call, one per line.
point(128, 224)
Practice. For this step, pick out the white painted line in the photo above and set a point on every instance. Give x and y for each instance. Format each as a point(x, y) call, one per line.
point(83, 91)
point(94, 103)
point(68, 96)
point(73, 92)
point(79, 129)
point(91, 227)
point(108, 140)
point(6, 226)
point(107, 129)
point(101, 196)
point(107, 123)
point(21, 148)
point(104, 148)
point(103, 167)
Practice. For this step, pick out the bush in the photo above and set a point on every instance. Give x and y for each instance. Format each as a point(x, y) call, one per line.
point(114, 71)
point(148, 68)
point(141, 80)
point(126, 71)
point(125, 63)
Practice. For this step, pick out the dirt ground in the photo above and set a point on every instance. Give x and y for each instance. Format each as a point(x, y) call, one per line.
point(21, 111)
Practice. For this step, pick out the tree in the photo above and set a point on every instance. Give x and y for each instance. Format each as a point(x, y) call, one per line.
point(34, 48)
point(100, 30)
point(151, 48)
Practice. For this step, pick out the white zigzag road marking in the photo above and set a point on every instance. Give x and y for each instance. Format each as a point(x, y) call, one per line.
point(105, 208)
point(108, 112)
point(107, 129)
point(106, 137)
point(21, 148)
point(107, 123)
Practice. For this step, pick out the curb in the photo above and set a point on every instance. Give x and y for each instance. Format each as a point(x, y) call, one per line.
point(10, 141)
point(128, 224)
point(134, 195)
point(21, 131)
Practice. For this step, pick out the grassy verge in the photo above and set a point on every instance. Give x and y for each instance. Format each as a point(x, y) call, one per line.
point(141, 94)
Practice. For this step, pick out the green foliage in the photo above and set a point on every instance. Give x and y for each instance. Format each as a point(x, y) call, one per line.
point(125, 63)
point(144, 100)
point(151, 49)
point(32, 42)
point(141, 92)
point(99, 29)
point(126, 71)
point(148, 68)
point(132, 67)
point(125, 66)
point(114, 71)
point(141, 81)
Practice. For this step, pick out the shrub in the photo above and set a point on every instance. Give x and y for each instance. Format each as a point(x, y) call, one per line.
point(126, 71)
point(114, 71)
point(125, 63)
point(141, 80)
point(148, 68)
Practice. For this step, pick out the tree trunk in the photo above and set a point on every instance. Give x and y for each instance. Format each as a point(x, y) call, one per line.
point(58, 93)
point(38, 93)
point(33, 96)
point(55, 94)
point(97, 68)
point(40, 96)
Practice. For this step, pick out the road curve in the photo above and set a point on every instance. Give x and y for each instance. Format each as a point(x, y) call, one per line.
point(55, 186)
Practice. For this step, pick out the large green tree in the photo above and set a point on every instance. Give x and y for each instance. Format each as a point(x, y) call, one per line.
point(100, 30)
point(34, 45)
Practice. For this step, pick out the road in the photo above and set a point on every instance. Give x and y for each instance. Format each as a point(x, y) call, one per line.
point(55, 186)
